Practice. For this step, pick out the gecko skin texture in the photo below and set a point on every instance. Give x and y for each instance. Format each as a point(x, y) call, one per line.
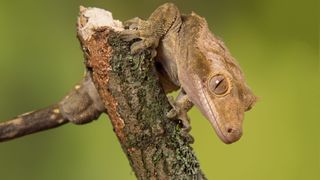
point(191, 58)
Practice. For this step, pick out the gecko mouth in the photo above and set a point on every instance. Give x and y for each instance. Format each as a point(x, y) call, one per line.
point(212, 118)
point(227, 135)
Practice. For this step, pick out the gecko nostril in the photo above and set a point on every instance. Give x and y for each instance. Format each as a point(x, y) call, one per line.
point(232, 134)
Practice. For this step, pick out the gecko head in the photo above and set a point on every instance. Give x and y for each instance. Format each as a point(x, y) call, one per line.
point(222, 96)
point(222, 93)
point(226, 102)
point(226, 96)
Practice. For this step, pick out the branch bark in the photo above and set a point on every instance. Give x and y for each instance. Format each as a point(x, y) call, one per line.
point(136, 104)
point(129, 88)
point(80, 106)
point(31, 122)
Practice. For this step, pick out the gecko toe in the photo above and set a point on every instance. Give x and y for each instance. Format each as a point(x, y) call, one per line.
point(137, 47)
point(172, 114)
point(133, 24)
point(176, 114)
point(129, 35)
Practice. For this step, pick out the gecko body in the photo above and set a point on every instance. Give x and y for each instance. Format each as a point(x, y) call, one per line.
point(191, 58)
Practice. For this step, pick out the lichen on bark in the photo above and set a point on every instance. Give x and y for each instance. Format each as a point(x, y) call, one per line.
point(142, 104)
point(137, 106)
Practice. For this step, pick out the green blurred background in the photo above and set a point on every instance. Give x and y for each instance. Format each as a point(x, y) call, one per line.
point(275, 41)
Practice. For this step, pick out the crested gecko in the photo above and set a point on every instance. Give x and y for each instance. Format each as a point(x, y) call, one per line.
point(191, 58)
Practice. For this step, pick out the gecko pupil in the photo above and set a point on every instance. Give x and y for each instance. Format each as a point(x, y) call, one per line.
point(218, 84)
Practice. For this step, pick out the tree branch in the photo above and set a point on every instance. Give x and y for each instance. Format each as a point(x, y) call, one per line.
point(80, 106)
point(31, 122)
point(136, 103)
point(130, 91)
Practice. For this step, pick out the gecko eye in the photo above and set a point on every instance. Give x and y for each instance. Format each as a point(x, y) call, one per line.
point(218, 84)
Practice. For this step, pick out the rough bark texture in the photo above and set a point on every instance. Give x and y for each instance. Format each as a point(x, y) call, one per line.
point(137, 106)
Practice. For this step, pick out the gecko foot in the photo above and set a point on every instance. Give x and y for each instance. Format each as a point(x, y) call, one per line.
point(133, 24)
point(177, 113)
point(129, 34)
point(137, 28)
point(140, 45)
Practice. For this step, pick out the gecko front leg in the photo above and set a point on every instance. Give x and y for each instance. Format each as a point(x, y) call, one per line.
point(152, 30)
point(179, 110)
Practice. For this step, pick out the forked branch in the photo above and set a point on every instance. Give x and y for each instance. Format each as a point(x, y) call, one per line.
point(128, 88)
point(81, 105)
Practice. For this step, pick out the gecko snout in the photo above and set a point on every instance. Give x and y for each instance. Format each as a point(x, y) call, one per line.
point(233, 134)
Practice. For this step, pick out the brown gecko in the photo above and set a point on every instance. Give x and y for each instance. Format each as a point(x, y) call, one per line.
point(190, 57)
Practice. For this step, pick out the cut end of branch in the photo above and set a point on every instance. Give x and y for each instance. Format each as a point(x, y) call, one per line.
point(91, 19)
